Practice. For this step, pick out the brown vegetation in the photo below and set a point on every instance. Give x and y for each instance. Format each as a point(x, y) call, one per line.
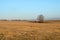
point(24, 30)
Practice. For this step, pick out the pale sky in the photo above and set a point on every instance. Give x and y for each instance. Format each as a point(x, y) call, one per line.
point(29, 9)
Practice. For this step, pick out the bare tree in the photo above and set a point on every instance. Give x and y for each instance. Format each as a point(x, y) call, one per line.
point(40, 18)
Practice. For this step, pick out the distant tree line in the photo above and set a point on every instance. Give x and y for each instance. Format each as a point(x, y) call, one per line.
point(40, 19)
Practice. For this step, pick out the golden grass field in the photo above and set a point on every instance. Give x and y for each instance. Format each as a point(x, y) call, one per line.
point(23, 30)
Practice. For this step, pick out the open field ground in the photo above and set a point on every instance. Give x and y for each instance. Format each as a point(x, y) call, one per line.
point(21, 30)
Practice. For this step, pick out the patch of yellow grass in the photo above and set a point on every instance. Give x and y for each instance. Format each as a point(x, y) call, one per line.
point(33, 31)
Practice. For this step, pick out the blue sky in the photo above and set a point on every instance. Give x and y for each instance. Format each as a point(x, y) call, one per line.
point(29, 9)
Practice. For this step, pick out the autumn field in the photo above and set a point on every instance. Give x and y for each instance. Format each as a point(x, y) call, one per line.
point(24, 30)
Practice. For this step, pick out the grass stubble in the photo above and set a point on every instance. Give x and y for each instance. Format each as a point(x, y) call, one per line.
point(10, 30)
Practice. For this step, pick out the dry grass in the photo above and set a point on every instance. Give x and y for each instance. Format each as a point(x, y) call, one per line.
point(21, 30)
